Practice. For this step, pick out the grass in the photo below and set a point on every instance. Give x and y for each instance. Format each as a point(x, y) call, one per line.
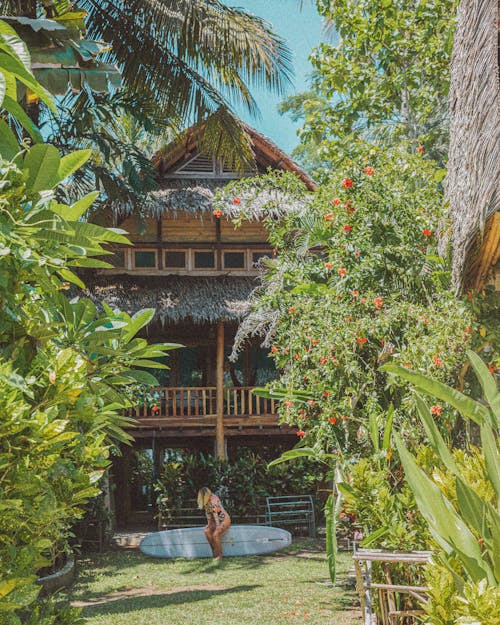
point(291, 586)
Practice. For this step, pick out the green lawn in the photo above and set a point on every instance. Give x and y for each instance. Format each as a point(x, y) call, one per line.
point(291, 586)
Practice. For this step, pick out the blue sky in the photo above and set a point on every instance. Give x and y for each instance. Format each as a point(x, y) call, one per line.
point(302, 31)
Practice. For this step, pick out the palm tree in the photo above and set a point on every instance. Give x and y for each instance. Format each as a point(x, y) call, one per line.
point(193, 59)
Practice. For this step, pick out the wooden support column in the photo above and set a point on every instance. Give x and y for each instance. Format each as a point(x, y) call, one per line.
point(219, 372)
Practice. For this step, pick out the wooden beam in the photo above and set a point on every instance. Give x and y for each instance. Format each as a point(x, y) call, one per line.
point(219, 371)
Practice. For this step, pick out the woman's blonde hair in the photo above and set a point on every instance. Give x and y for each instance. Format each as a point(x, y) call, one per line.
point(204, 495)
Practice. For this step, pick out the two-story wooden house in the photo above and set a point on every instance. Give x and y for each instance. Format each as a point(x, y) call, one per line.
point(197, 271)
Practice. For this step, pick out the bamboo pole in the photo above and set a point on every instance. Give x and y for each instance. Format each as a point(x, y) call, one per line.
point(219, 430)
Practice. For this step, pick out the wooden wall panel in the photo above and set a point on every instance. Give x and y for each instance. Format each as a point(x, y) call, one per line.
point(248, 232)
point(144, 230)
point(186, 227)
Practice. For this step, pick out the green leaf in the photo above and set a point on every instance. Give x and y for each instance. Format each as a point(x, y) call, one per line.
point(293, 454)
point(69, 276)
point(446, 526)
point(9, 146)
point(42, 162)
point(331, 537)
point(374, 536)
point(468, 407)
point(12, 107)
point(71, 163)
point(76, 210)
point(472, 508)
point(434, 436)
point(491, 458)
point(489, 386)
point(386, 443)
point(92, 231)
point(138, 321)
point(10, 64)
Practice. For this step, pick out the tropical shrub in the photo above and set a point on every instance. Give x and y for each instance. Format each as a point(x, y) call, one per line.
point(64, 369)
point(461, 503)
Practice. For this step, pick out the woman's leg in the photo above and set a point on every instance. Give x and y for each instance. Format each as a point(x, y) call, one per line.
point(209, 535)
point(223, 527)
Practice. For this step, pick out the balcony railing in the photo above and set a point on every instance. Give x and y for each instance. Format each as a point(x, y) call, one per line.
point(198, 403)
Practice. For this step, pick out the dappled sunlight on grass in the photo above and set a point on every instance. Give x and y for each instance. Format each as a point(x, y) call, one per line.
point(291, 586)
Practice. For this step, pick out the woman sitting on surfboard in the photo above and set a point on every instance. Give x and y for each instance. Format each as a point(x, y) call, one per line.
point(218, 520)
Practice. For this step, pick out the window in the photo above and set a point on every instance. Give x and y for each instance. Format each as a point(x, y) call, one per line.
point(144, 259)
point(204, 260)
point(256, 256)
point(175, 259)
point(234, 260)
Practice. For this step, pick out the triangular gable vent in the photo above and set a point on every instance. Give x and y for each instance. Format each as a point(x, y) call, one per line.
point(199, 165)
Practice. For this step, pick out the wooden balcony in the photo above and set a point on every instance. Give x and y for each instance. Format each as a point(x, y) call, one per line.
point(196, 407)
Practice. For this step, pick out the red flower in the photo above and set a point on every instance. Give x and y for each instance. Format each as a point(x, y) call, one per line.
point(426, 232)
point(347, 228)
point(348, 203)
point(291, 309)
point(355, 293)
point(288, 403)
point(437, 410)
point(323, 360)
point(329, 216)
point(311, 402)
point(236, 200)
point(351, 210)
point(492, 368)
point(328, 265)
point(332, 420)
point(378, 303)
point(326, 394)
point(347, 183)
point(274, 349)
point(342, 271)
point(314, 342)
point(369, 171)
point(337, 201)
point(437, 361)
point(217, 212)
point(361, 340)
point(297, 356)
point(155, 408)
point(301, 433)
point(357, 254)
point(420, 149)
point(344, 417)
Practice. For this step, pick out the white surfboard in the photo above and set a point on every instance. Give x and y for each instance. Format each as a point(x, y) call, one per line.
point(239, 540)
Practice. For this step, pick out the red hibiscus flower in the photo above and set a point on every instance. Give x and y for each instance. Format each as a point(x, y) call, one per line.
point(437, 410)
point(426, 232)
point(236, 200)
point(347, 183)
point(274, 349)
point(332, 420)
point(329, 216)
point(337, 201)
point(342, 271)
point(301, 433)
point(355, 293)
point(326, 394)
point(328, 265)
point(288, 403)
point(323, 360)
point(369, 171)
point(311, 402)
point(217, 212)
point(291, 309)
point(357, 254)
point(420, 149)
point(344, 417)
point(297, 356)
point(378, 302)
point(347, 228)
point(437, 361)
point(361, 340)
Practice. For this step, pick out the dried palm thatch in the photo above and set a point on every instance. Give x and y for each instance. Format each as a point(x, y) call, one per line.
point(176, 299)
point(472, 184)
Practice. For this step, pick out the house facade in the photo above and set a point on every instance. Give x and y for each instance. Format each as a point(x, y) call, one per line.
point(197, 270)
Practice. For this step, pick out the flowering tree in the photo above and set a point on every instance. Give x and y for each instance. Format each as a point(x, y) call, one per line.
point(356, 281)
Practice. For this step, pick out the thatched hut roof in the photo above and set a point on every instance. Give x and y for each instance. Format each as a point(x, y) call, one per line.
point(176, 298)
point(472, 184)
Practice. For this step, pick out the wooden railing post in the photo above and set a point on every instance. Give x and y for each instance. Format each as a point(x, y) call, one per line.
point(219, 428)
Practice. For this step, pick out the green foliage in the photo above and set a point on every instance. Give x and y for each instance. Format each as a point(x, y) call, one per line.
point(241, 482)
point(65, 369)
point(383, 77)
point(464, 522)
point(356, 281)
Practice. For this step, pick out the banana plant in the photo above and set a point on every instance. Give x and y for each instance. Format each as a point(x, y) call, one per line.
point(470, 530)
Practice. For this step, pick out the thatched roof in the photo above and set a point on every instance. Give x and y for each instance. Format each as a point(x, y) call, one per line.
point(472, 184)
point(176, 298)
